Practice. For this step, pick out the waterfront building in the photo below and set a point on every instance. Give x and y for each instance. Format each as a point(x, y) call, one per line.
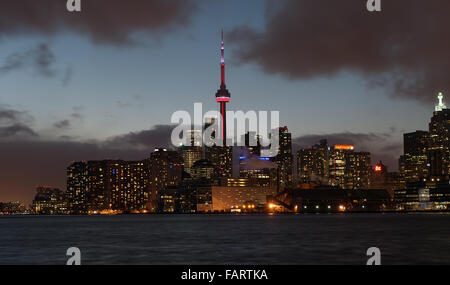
point(240, 198)
point(424, 195)
point(49, 201)
point(78, 187)
point(329, 200)
point(11, 208)
point(121, 186)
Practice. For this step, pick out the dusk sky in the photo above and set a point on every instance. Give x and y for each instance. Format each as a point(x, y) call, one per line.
point(104, 83)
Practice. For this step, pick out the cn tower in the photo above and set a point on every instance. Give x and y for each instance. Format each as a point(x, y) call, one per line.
point(223, 95)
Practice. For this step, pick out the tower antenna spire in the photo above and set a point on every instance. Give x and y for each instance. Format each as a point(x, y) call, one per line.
point(222, 62)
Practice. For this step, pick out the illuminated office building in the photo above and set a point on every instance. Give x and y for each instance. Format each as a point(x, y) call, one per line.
point(413, 164)
point(203, 169)
point(439, 144)
point(427, 154)
point(383, 179)
point(284, 158)
point(164, 170)
point(358, 170)
point(312, 163)
point(424, 195)
point(222, 159)
point(338, 164)
point(190, 154)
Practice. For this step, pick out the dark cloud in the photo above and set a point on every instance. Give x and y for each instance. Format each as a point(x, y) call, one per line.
point(361, 140)
point(40, 60)
point(16, 130)
point(77, 116)
point(403, 48)
point(9, 115)
point(103, 21)
point(77, 112)
point(382, 146)
point(158, 136)
point(15, 124)
point(64, 124)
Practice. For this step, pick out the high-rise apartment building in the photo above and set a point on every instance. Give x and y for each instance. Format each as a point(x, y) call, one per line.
point(358, 170)
point(117, 185)
point(338, 164)
point(312, 163)
point(284, 158)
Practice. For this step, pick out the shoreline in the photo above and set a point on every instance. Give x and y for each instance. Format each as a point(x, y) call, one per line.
point(237, 214)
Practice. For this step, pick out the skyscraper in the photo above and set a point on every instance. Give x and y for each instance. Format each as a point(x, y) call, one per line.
point(338, 164)
point(439, 145)
point(358, 170)
point(312, 163)
point(122, 186)
point(223, 95)
point(164, 168)
point(77, 187)
point(222, 158)
point(117, 185)
point(190, 154)
point(284, 158)
point(427, 154)
point(413, 163)
point(416, 143)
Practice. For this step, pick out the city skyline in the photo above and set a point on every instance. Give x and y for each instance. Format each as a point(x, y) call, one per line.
point(34, 131)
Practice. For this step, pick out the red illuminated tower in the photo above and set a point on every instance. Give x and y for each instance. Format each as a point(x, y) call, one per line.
point(223, 95)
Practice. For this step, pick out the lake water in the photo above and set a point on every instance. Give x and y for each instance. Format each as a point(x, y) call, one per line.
point(226, 239)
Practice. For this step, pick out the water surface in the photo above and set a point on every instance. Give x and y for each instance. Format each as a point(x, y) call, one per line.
point(226, 239)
